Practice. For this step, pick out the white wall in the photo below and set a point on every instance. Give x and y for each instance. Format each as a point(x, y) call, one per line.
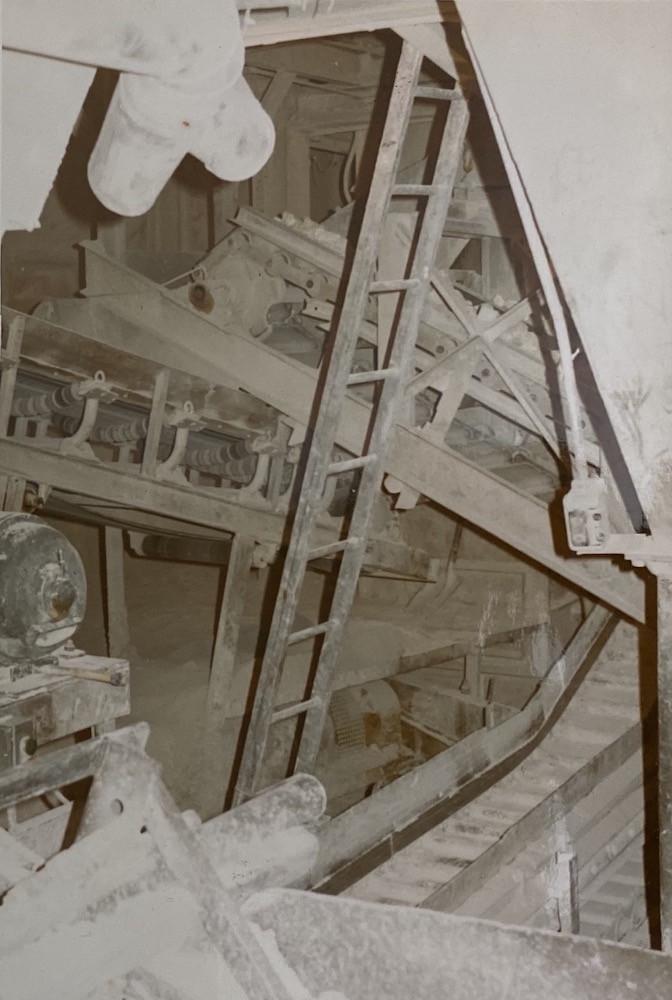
point(583, 91)
point(41, 100)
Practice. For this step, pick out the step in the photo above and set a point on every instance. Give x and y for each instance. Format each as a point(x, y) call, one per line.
point(350, 464)
point(394, 285)
point(417, 190)
point(291, 711)
point(310, 632)
point(438, 94)
point(376, 375)
point(332, 548)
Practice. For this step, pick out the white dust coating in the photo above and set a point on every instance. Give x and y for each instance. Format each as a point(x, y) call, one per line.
point(197, 972)
point(87, 881)
point(279, 859)
point(41, 100)
point(295, 989)
point(69, 962)
point(484, 626)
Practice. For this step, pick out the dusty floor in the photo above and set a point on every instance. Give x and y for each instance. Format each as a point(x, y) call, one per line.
point(172, 610)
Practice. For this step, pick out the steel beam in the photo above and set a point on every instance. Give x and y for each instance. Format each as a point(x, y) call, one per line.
point(118, 486)
point(426, 466)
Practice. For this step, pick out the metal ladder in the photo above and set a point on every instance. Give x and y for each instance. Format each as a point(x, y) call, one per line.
point(391, 377)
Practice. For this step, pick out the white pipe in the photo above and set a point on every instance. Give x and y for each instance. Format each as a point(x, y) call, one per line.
point(166, 38)
point(181, 89)
point(150, 126)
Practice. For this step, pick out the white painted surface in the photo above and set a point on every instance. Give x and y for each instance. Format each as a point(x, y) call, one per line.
point(583, 91)
point(73, 959)
point(41, 100)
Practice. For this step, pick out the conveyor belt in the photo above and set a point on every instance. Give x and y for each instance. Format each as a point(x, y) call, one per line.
point(580, 789)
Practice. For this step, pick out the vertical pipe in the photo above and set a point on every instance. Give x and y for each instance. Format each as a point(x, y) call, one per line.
point(665, 750)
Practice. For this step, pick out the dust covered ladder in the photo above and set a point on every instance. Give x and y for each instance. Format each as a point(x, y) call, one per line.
point(391, 378)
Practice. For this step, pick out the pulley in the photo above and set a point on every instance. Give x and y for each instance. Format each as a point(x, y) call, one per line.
point(42, 588)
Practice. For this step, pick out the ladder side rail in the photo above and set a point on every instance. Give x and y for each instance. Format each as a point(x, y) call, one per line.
point(382, 425)
point(321, 443)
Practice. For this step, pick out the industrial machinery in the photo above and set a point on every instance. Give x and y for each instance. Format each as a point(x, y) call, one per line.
point(349, 400)
point(146, 902)
point(48, 688)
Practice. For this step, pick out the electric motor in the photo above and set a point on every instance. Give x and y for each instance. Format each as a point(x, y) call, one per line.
point(42, 589)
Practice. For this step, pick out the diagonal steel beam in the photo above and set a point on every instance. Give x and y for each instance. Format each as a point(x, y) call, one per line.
point(189, 342)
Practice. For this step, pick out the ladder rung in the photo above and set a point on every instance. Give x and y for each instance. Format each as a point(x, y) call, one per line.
point(417, 189)
point(439, 94)
point(308, 633)
point(298, 709)
point(332, 548)
point(395, 285)
point(348, 464)
point(377, 375)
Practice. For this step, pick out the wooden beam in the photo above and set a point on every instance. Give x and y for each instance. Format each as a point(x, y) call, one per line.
point(342, 17)
point(332, 63)
point(298, 174)
point(269, 186)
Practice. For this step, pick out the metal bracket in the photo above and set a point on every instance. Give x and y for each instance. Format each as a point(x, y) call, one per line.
point(184, 420)
point(18, 742)
point(93, 391)
point(586, 516)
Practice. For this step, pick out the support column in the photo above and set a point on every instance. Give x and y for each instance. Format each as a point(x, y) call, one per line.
point(215, 772)
point(664, 575)
point(116, 612)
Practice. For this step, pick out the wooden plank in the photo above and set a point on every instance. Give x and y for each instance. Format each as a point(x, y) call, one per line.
point(269, 185)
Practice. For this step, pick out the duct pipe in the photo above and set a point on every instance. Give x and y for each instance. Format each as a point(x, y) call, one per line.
point(163, 38)
point(181, 89)
point(152, 124)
